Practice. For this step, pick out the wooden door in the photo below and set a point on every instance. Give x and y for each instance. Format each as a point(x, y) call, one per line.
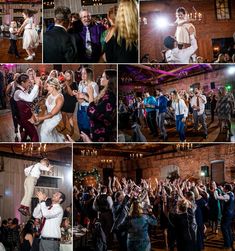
point(217, 171)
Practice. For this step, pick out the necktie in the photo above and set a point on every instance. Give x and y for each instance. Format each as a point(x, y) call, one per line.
point(43, 222)
point(88, 42)
point(198, 105)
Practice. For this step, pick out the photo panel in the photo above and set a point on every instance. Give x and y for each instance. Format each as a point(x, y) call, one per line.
point(36, 180)
point(59, 103)
point(176, 102)
point(187, 31)
point(84, 31)
point(129, 189)
point(21, 31)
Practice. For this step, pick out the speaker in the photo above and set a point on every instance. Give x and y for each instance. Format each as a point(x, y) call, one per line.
point(212, 85)
point(205, 170)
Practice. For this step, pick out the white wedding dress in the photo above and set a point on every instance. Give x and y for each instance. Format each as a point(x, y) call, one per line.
point(48, 132)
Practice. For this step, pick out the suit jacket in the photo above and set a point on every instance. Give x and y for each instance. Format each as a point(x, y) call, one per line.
point(59, 46)
point(96, 31)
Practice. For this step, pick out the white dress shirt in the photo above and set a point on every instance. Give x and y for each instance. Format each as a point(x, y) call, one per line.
point(35, 170)
point(109, 200)
point(202, 102)
point(180, 108)
point(54, 216)
point(177, 55)
point(23, 95)
point(224, 197)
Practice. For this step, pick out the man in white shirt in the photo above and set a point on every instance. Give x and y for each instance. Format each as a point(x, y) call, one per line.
point(32, 174)
point(23, 111)
point(51, 218)
point(198, 102)
point(176, 55)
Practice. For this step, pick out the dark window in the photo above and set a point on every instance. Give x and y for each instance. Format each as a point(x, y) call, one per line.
point(222, 8)
point(45, 181)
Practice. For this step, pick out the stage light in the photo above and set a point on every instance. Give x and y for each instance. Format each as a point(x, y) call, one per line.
point(162, 22)
point(228, 87)
point(231, 70)
point(8, 193)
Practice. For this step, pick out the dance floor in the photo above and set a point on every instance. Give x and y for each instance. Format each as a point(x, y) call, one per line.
point(213, 241)
point(7, 129)
point(8, 58)
point(214, 134)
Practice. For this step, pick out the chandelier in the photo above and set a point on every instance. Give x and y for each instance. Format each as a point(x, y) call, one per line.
point(33, 149)
point(183, 147)
point(195, 16)
point(89, 152)
point(107, 161)
point(48, 4)
point(92, 2)
point(136, 155)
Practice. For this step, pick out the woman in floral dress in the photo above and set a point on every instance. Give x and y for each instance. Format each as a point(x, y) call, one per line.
point(101, 110)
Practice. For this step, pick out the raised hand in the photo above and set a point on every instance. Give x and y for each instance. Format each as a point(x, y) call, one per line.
point(41, 196)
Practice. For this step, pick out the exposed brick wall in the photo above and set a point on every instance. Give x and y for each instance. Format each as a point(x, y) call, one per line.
point(189, 163)
point(88, 163)
point(152, 38)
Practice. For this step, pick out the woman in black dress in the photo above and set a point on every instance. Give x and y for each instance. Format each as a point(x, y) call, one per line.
point(26, 237)
point(121, 44)
point(101, 110)
point(69, 100)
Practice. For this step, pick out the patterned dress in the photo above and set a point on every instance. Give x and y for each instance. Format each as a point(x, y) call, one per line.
point(224, 107)
point(101, 117)
point(138, 237)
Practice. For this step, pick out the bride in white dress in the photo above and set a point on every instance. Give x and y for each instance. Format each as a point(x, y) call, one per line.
point(52, 118)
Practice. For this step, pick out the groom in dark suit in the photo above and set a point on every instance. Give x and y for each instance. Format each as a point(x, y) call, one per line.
point(59, 46)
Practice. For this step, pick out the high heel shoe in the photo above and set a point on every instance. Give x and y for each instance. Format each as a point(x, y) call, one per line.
point(29, 58)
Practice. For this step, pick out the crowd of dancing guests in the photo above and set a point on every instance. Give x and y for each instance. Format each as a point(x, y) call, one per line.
point(40, 103)
point(179, 108)
point(25, 236)
point(78, 37)
point(184, 210)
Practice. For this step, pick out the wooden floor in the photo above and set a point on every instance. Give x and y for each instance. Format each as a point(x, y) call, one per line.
point(7, 128)
point(213, 242)
point(8, 58)
point(214, 134)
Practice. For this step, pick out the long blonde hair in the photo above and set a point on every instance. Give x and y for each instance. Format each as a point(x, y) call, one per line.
point(127, 23)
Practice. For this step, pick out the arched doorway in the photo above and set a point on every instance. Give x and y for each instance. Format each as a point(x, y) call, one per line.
point(166, 170)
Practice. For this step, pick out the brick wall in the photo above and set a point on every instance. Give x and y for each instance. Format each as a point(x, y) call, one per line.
point(152, 37)
point(189, 163)
point(88, 163)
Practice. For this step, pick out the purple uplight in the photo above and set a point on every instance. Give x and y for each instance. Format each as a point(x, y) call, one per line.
point(9, 65)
